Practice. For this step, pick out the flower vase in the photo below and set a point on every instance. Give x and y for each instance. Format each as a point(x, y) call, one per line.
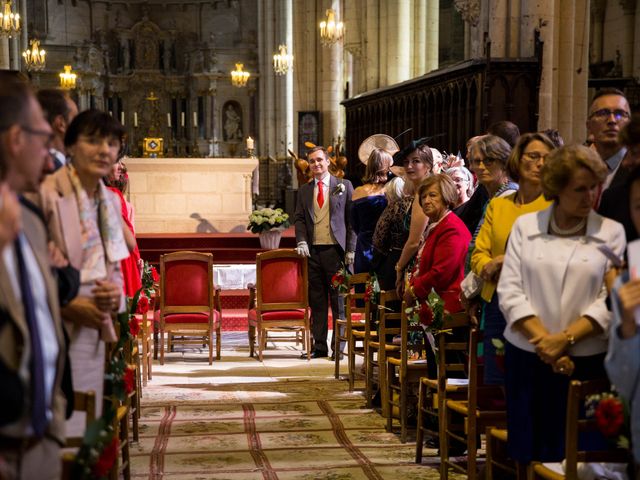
point(270, 239)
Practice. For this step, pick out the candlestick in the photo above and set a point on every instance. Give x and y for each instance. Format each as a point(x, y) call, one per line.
point(249, 143)
point(135, 119)
point(110, 113)
point(182, 119)
point(195, 119)
point(169, 120)
point(122, 117)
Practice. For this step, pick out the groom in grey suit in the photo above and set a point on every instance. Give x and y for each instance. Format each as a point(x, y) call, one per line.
point(323, 234)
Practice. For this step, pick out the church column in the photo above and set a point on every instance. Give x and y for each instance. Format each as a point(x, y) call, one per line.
point(4, 54)
point(469, 10)
point(399, 38)
point(565, 65)
point(330, 86)
point(498, 25)
point(629, 9)
point(371, 41)
point(513, 29)
point(420, 34)
point(433, 34)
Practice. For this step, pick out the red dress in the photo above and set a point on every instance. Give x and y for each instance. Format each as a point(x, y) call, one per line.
point(441, 264)
point(130, 271)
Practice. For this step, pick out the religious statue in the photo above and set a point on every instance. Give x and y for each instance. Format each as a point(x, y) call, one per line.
point(232, 124)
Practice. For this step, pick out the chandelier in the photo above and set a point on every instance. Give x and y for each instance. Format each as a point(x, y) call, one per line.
point(67, 78)
point(34, 58)
point(9, 21)
point(330, 31)
point(282, 61)
point(239, 77)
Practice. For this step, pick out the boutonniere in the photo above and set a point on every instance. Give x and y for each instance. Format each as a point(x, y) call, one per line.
point(339, 190)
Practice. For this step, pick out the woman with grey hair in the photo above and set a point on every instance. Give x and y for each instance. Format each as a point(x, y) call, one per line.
point(463, 180)
point(488, 157)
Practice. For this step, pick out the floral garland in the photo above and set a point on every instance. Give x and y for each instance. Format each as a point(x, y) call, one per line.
point(429, 313)
point(372, 290)
point(612, 417)
point(340, 280)
point(100, 445)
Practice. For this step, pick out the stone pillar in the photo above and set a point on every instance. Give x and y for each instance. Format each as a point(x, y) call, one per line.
point(636, 51)
point(420, 33)
point(513, 28)
point(371, 56)
point(398, 37)
point(5, 61)
point(565, 65)
point(433, 34)
point(629, 20)
point(286, 136)
point(470, 11)
point(498, 27)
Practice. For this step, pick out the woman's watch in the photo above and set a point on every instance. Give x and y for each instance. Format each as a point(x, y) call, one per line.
point(570, 338)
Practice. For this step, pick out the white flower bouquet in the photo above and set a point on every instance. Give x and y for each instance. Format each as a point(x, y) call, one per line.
point(267, 219)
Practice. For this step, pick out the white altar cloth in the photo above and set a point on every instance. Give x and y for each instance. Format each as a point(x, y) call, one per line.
point(234, 277)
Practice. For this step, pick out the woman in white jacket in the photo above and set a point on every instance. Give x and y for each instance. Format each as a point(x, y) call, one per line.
point(552, 295)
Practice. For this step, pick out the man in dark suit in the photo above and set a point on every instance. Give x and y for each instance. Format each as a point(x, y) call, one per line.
point(59, 110)
point(324, 234)
point(32, 354)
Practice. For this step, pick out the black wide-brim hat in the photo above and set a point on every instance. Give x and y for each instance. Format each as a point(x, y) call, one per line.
point(399, 157)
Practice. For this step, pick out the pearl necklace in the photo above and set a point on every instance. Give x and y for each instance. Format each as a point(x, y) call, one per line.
point(568, 231)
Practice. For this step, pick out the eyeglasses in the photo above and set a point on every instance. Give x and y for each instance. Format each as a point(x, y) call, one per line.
point(606, 113)
point(535, 156)
point(487, 161)
point(48, 136)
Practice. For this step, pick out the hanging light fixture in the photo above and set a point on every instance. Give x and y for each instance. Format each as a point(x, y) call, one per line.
point(330, 31)
point(34, 58)
point(239, 77)
point(282, 61)
point(9, 21)
point(67, 78)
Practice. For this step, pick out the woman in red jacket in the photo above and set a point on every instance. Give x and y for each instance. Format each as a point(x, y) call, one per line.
point(441, 264)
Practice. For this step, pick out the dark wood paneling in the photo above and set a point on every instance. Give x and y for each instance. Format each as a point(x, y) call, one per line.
point(451, 105)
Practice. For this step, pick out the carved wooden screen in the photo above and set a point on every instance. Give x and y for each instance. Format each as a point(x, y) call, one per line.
point(450, 105)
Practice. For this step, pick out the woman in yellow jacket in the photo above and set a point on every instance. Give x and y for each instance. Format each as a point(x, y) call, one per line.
point(524, 166)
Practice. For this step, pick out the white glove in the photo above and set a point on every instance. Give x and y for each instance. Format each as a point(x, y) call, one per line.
point(349, 258)
point(303, 249)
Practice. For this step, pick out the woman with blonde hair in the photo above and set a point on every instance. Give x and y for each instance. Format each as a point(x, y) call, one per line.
point(368, 203)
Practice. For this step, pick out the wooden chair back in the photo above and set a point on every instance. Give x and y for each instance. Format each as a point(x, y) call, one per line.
point(354, 304)
point(281, 280)
point(186, 283)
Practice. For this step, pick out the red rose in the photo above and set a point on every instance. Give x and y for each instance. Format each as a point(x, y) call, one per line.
point(129, 380)
point(609, 416)
point(134, 327)
point(154, 275)
point(107, 458)
point(143, 304)
point(337, 279)
point(368, 292)
point(425, 314)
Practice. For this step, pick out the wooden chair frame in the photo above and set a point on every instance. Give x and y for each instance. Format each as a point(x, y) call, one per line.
point(285, 325)
point(213, 303)
point(407, 371)
point(476, 420)
point(357, 330)
point(431, 391)
point(82, 402)
point(578, 392)
point(378, 350)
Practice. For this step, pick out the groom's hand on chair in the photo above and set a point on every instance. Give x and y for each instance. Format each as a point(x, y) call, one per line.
point(303, 249)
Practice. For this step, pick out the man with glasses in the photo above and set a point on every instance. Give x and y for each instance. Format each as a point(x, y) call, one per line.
point(608, 114)
point(32, 354)
point(59, 110)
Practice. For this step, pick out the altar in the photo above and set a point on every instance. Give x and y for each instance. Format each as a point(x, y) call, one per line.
point(184, 195)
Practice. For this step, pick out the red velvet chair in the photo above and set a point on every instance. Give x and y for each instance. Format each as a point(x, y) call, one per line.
point(189, 303)
point(281, 298)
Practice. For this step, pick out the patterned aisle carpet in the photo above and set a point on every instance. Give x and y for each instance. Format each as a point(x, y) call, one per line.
point(285, 419)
